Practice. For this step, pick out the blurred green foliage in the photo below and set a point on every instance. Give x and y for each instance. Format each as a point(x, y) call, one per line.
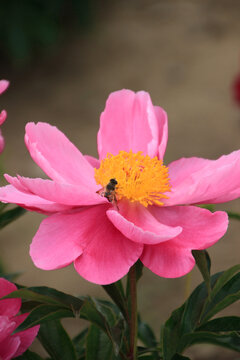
point(30, 27)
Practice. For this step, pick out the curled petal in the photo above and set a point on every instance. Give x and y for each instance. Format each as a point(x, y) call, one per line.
point(139, 225)
point(129, 122)
point(66, 194)
point(10, 194)
point(197, 180)
point(57, 156)
point(201, 229)
point(108, 255)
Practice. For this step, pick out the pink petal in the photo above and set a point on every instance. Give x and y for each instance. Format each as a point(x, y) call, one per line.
point(3, 116)
point(9, 347)
point(8, 307)
point(57, 242)
point(136, 223)
point(66, 194)
point(128, 122)
point(6, 327)
point(2, 142)
point(26, 336)
point(162, 119)
point(10, 194)
point(201, 229)
point(3, 85)
point(196, 180)
point(108, 255)
point(168, 261)
point(57, 156)
point(93, 161)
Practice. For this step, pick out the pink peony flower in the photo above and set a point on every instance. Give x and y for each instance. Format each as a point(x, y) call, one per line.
point(3, 115)
point(12, 345)
point(105, 214)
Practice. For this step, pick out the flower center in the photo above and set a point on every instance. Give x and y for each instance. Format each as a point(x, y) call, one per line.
point(139, 178)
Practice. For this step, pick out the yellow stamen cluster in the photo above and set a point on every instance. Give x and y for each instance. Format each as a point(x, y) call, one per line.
point(140, 178)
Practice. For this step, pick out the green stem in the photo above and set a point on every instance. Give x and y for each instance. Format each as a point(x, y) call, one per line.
point(133, 317)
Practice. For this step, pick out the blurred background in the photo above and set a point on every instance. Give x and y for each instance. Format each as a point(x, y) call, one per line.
point(63, 58)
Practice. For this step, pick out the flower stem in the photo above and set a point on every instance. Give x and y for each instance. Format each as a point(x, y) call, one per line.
point(133, 308)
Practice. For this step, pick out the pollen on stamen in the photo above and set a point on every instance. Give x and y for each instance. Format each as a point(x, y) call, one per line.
point(140, 178)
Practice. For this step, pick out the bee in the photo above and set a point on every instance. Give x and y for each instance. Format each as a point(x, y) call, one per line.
point(109, 192)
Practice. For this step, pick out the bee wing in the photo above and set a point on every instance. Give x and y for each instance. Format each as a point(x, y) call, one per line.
point(101, 192)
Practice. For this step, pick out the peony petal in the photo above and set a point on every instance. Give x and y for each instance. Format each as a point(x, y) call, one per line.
point(108, 255)
point(162, 119)
point(66, 194)
point(2, 141)
point(8, 307)
point(167, 260)
point(9, 347)
point(57, 242)
point(6, 327)
point(201, 229)
point(3, 116)
point(136, 223)
point(4, 84)
point(10, 194)
point(196, 180)
point(26, 336)
point(57, 156)
point(93, 161)
point(128, 123)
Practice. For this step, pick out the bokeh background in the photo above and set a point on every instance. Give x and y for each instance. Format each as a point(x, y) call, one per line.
point(63, 58)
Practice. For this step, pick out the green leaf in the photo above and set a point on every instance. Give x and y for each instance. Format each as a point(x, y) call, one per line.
point(226, 296)
point(46, 295)
point(79, 343)
point(180, 357)
point(106, 316)
point(230, 340)
point(98, 345)
point(203, 262)
point(56, 341)
point(116, 292)
point(145, 334)
point(171, 334)
point(44, 313)
point(8, 216)
point(29, 355)
point(233, 215)
point(223, 324)
point(10, 276)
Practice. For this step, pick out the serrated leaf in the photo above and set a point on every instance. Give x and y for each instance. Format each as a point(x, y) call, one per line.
point(56, 341)
point(44, 313)
point(11, 215)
